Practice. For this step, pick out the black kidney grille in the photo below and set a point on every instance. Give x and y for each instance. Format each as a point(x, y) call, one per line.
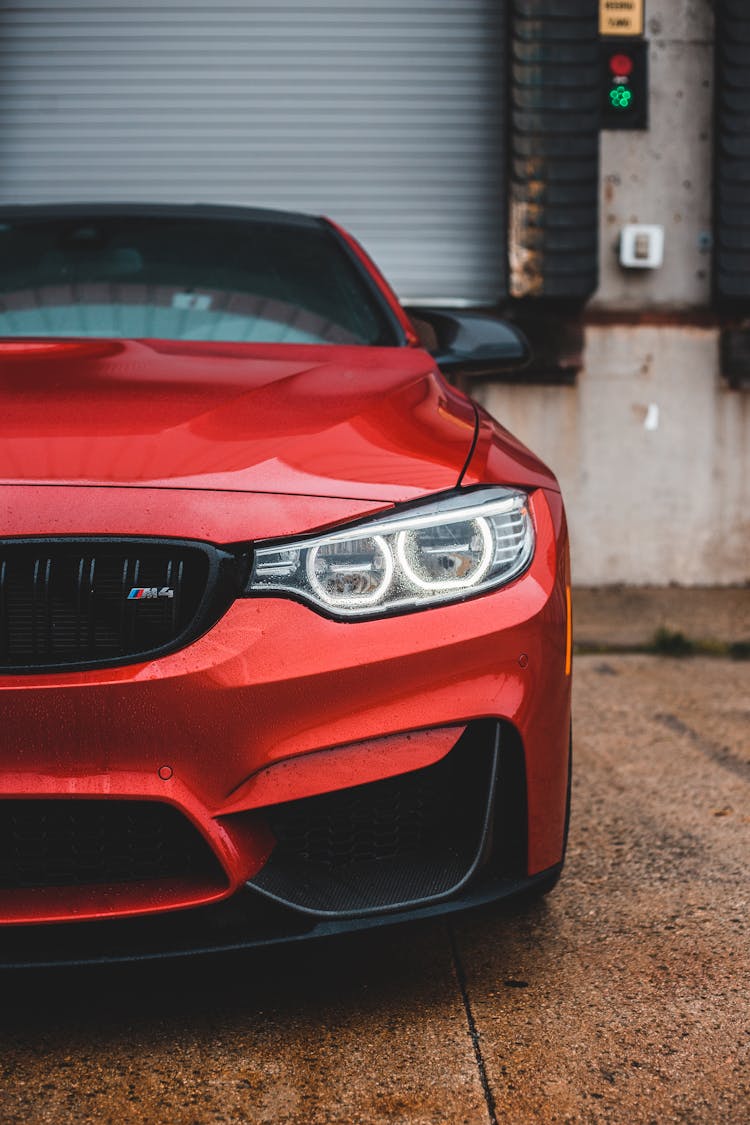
point(62, 843)
point(67, 603)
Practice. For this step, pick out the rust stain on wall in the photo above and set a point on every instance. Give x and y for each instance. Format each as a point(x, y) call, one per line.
point(525, 259)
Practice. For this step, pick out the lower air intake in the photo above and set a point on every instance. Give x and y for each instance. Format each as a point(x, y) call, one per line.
point(388, 844)
point(73, 843)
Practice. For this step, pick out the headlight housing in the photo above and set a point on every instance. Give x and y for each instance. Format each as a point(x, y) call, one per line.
point(429, 554)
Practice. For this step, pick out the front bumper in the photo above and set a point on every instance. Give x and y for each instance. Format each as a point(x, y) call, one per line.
point(277, 704)
point(246, 921)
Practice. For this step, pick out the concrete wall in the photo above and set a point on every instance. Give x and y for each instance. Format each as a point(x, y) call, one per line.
point(652, 449)
point(652, 452)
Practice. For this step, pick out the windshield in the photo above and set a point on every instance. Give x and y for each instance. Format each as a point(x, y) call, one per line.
point(183, 279)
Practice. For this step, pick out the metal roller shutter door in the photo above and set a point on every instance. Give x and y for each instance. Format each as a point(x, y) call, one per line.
point(385, 116)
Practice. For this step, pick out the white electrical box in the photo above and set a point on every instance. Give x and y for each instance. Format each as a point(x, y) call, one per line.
point(641, 246)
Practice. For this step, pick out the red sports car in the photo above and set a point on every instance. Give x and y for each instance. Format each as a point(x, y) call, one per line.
point(284, 616)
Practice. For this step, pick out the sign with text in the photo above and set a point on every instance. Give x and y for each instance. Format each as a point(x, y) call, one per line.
point(621, 17)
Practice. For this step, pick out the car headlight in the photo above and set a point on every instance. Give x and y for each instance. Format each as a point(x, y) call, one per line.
point(427, 555)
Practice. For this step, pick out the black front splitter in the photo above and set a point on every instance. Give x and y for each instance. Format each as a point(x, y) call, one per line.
point(246, 921)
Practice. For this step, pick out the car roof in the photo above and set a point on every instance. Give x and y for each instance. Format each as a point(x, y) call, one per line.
point(158, 211)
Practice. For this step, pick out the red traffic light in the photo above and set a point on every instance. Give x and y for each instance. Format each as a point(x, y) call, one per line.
point(621, 65)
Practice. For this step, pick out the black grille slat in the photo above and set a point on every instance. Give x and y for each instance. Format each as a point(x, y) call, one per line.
point(65, 603)
point(129, 608)
point(48, 616)
point(90, 608)
point(126, 619)
point(80, 570)
point(35, 610)
point(56, 843)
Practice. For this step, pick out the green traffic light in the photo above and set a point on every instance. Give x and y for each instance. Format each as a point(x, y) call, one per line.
point(620, 97)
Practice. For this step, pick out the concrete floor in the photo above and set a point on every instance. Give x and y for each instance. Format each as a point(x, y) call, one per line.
point(620, 998)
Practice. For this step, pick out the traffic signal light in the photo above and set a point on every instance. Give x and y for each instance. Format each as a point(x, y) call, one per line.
point(624, 80)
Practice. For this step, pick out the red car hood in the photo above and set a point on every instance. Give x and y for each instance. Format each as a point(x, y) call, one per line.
point(366, 423)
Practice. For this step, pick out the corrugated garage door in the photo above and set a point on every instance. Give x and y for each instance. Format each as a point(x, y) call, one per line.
point(385, 115)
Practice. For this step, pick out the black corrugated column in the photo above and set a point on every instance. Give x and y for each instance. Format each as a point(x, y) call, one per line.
point(554, 149)
point(732, 168)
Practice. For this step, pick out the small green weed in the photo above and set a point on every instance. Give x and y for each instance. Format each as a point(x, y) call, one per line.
point(667, 642)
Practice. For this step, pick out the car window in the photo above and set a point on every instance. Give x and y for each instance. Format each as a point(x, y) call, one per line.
point(183, 279)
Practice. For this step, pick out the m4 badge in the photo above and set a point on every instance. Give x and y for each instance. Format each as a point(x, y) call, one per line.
point(151, 592)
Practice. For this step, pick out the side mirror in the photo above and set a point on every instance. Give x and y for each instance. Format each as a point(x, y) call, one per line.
point(469, 343)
